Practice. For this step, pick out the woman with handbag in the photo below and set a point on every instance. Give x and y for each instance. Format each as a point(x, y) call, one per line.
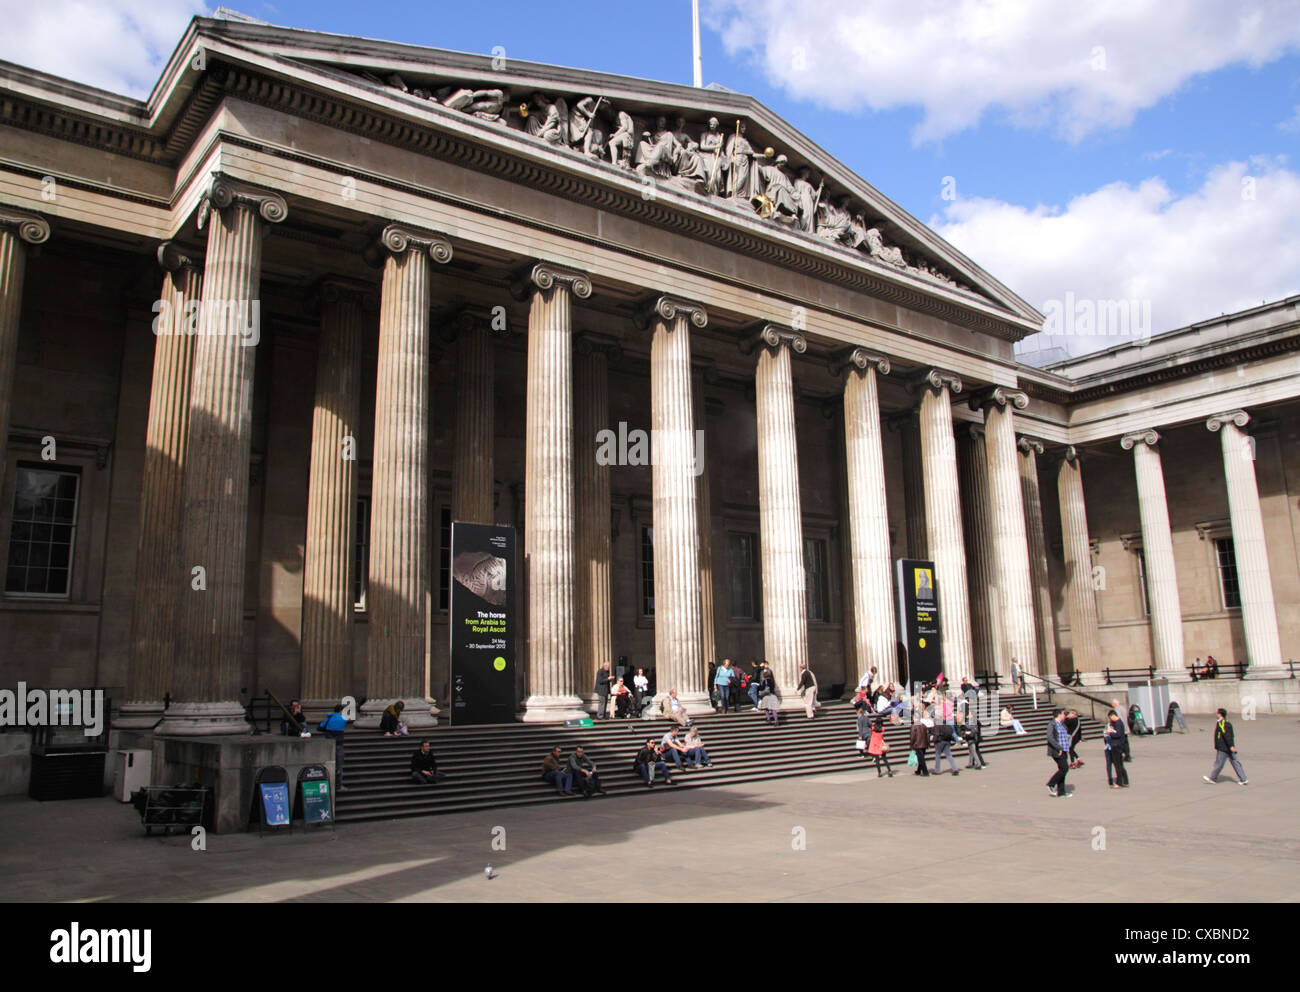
point(864, 727)
point(879, 747)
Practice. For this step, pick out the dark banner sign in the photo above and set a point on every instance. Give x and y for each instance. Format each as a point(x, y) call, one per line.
point(483, 622)
point(918, 618)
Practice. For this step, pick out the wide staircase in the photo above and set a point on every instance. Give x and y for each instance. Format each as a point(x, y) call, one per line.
point(497, 766)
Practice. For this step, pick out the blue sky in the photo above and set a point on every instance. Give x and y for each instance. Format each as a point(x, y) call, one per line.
point(1103, 152)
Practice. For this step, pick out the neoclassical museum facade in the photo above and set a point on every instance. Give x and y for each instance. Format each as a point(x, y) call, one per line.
point(266, 334)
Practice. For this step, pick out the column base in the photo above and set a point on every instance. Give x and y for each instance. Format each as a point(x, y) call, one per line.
point(552, 709)
point(203, 720)
point(1271, 672)
point(418, 713)
point(139, 715)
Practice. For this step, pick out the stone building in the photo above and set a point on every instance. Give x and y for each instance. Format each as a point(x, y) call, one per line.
point(425, 283)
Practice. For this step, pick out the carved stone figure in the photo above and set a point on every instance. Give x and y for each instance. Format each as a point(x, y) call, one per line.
point(484, 104)
point(711, 155)
point(888, 254)
point(776, 195)
point(623, 142)
point(587, 128)
point(806, 197)
point(833, 219)
point(736, 162)
point(549, 119)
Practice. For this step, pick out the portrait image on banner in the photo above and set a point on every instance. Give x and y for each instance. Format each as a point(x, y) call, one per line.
point(482, 611)
point(918, 619)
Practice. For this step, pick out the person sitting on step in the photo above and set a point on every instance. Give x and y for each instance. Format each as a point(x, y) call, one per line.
point(391, 722)
point(1008, 719)
point(670, 708)
point(672, 748)
point(583, 771)
point(649, 762)
point(695, 752)
point(424, 766)
point(554, 771)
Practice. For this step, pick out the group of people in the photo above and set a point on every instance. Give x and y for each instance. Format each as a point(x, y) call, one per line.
point(651, 761)
point(1210, 670)
point(627, 701)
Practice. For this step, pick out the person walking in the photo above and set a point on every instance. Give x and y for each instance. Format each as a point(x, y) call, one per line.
point(878, 747)
point(737, 687)
point(722, 682)
point(768, 700)
point(864, 724)
point(1116, 736)
point(808, 690)
point(1225, 749)
point(1058, 749)
point(755, 679)
point(919, 741)
point(1076, 734)
point(943, 738)
point(970, 732)
point(604, 682)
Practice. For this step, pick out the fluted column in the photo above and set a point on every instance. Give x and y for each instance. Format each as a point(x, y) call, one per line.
point(1010, 543)
point(785, 606)
point(981, 567)
point(918, 538)
point(594, 638)
point(17, 231)
point(399, 487)
point(158, 589)
point(207, 666)
point(1258, 612)
point(1085, 637)
point(943, 518)
point(548, 481)
point(327, 597)
point(1158, 552)
point(873, 599)
point(703, 503)
point(678, 661)
point(473, 465)
point(1032, 501)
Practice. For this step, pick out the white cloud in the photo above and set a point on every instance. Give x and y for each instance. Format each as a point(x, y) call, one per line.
point(1211, 251)
point(117, 45)
point(1076, 66)
point(1292, 123)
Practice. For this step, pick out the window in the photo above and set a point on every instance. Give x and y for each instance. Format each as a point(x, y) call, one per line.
point(647, 571)
point(43, 532)
point(1228, 585)
point(444, 559)
point(361, 554)
point(744, 576)
point(816, 581)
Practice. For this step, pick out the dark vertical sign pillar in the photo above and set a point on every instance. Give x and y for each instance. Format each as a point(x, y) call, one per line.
point(483, 623)
point(918, 618)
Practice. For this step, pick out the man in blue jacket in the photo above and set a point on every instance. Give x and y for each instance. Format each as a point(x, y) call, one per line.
point(1058, 749)
point(334, 725)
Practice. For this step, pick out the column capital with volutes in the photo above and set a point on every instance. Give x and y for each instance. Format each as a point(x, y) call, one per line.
point(1150, 437)
point(545, 275)
point(773, 337)
point(1238, 418)
point(224, 192)
point(32, 228)
point(857, 360)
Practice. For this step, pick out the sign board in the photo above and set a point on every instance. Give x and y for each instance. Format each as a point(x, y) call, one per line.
point(918, 618)
point(317, 800)
point(275, 803)
point(483, 623)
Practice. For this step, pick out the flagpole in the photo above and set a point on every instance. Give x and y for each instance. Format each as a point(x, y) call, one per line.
point(695, 34)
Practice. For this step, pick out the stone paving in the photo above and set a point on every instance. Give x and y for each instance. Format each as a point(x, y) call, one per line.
point(986, 836)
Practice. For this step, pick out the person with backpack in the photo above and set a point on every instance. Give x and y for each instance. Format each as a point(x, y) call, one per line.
point(1225, 749)
point(1116, 737)
point(878, 747)
point(919, 741)
point(722, 678)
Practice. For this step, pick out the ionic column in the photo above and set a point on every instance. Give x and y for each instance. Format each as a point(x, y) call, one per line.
point(549, 530)
point(873, 599)
point(17, 231)
point(918, 538)
point(1032, 501)
point(678, 642)
point(327, 598)
point(207, 665)
point(1258, 612)
point(1085, 637)
point(1158, 553)
point(399, 486)
point(703, 503)
point(1010, 543)
point(785, 607)
point(594, 637)
point(943, 519)
point(981, 568)
point(158, 589)
point(473, 486)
